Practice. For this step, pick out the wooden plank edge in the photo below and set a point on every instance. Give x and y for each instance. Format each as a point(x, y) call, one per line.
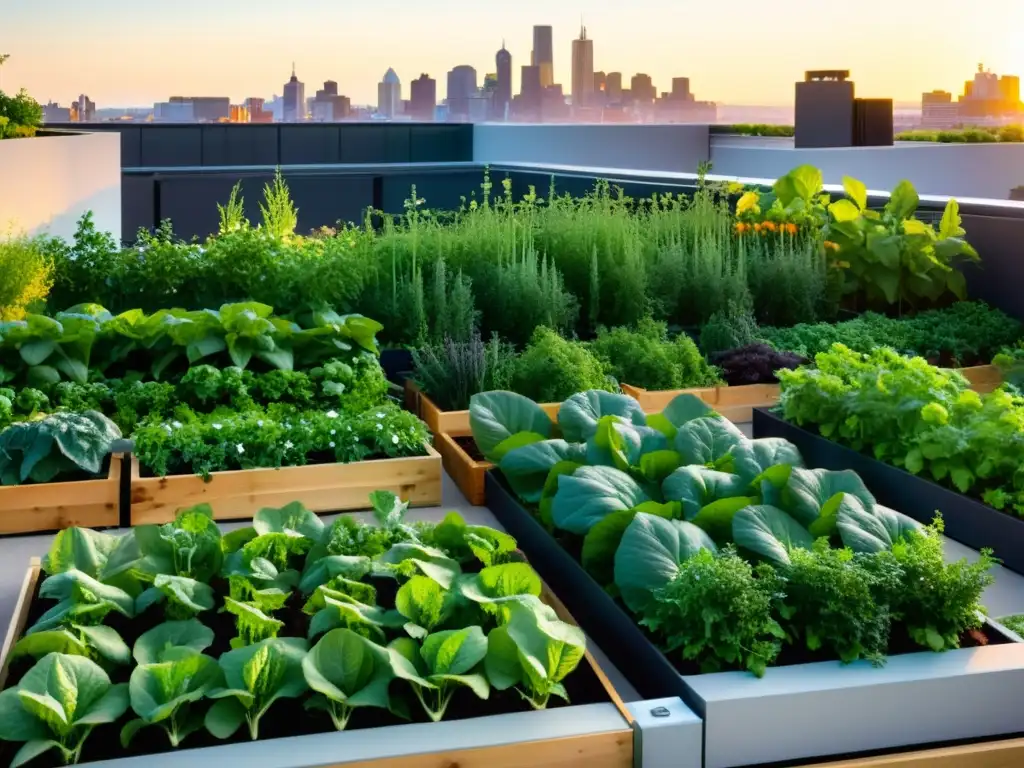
point(990, 754)
point(613, 749)
point(467, 473)
point(20, 615)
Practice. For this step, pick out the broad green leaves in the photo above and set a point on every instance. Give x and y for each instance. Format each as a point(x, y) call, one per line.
point(579, 415)
point(590, 493)
point(872, 530)
point(707, 440)
point(495, 417)
point(810, 490)
point(649, 554)
point(59, 444)
point(527, 468)
point(346, 671)
point(769, 532)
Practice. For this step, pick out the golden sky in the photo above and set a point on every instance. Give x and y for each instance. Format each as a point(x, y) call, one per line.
point(132, 52)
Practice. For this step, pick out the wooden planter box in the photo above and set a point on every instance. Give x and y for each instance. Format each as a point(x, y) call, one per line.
point(983, 378)
point(320, 487)
point(605, 734)
point(734, 403)
point(1008, 753)
point(796, 713)
point(966, 520)
point(54, 506)
point(455, 422)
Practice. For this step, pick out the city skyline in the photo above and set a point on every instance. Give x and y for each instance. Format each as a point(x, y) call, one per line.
point(243, 49)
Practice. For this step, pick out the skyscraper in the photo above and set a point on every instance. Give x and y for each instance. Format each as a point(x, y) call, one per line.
point(294, 99)
point(389, 95)
point(582, 70)
point(423, 97)
point(461, 88)
point(543, 55)
point(503, 93)
point(613, 86)
point(531, 93)
point(642, 89)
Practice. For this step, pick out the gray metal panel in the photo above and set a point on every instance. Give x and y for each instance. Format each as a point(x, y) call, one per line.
point(312, 144)
point(440, 143)
point(191, 203)
point(225, 145)
point(439, 191)
point(391, 741)
point(323, 201)
point(670, 735)
point(131, 147)
point(817, 710)
point(171, 145)
point(137, 205)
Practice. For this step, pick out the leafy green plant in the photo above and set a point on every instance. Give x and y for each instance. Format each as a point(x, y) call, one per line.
point(552, 369)
point(26, 275)
point(57, 704)
point(892, 256)
point(647, 358)
point(445, 663)
point(256, 677)
point(58, 446)
point(452, 372)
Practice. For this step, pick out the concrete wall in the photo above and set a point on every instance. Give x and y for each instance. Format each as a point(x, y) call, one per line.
point(48, 182)
point(959, 170)
point(679, 148)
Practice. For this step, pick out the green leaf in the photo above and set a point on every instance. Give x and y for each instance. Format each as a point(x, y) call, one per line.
point(159, 691)
point(224, 718)
point(165, 640)
point(388, 509)
point(752, 458)
point(502, 661)
point(706, 440)
point(514, 443)
point(951, 224)
point(548, 649)
point(496, 416)
point(685, 408)
point(349, 670)
point(658, 465)
point(844, 211)
point(292, 520)
point(590, 493)
point(874, 530)
point(695, 487)
point(809, 489)
point(32, 749)
point(527, 468)
point(455, 652)
point(856, 191)
point(578, 416)
point(424, 602)
point(716, 518)
point(769, 532)
point(601, 543)
point(410, 558)
point(649, 555)
point(903, 201)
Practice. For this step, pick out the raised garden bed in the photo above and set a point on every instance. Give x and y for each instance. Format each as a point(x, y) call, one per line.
point(966, 520)
point(797, 712)
point(983, 378)
point(453, 422)
point(35, 508)
point(734, 403)
point(596, 729)
point(320, 487)
point(463, 462)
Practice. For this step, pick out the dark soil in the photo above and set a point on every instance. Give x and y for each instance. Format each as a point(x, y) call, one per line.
point(468, 444)
point(285, 718)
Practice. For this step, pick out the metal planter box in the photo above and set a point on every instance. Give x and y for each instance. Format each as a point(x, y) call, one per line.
point(794, 713)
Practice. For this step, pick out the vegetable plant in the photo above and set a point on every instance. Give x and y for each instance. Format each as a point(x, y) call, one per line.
point(60, 445)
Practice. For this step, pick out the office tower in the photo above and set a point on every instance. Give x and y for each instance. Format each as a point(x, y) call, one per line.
point(531, 92)
point(239, 113)
point(258, 113)
point(503, 93)
point(614, 87)
point(1009, 90)
point(389, 95)
point(294, 99)
point(55, 113)
point(582, 70)
point(423, 98)
point(461, 88)
point(642, 89)
point(681, 89)
point(544, 55)
point(328, 105)
point(938, 110)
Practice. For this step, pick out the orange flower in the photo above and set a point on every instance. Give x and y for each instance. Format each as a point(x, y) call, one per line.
point(770, 226)
point(829, 245)
point(757, 227)
point(740, 227)
point(791, 228)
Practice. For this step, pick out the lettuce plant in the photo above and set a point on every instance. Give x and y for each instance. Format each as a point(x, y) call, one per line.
point(255, 677)
point(347, 671)
point(57, 704)
point(444, 663)
point(54, 447)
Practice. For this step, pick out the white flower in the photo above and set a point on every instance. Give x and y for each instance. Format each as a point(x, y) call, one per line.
point(288, 445)
point(332, 415)
point(168, 428)
point(241, 448)
point(334, 431)
point(287, 425)
point(216, 426)
point(331, 443)
point(380, 415)
point(380, 426)
point(177, 424)
point(348, 429)
point(394, 439)
point(259, 422)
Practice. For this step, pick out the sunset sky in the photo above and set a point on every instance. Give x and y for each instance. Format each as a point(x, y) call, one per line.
point(135, 52)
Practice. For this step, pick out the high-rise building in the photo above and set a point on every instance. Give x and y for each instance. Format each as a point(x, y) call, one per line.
point(613, 86)
point(257, 110)
point(461, 88)
point(642, 89)
point(503, 92)
point(582, 70)
point(389, 95)
point(423, 98)
point(938, 110)
point(544, 55)
point(328, 105)
point(86, 109)
point(681, 89)
point(531, 92)
point(1009, 89)
point(294, 99)
point(239, 113)
point(55, 113)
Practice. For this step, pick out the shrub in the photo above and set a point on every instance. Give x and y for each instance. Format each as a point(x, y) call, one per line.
point(26, 276)
point(20, 115)
point(552, 369)
point(754, 364)
point(453, 371)
point(647, 358)
point(729, 329)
